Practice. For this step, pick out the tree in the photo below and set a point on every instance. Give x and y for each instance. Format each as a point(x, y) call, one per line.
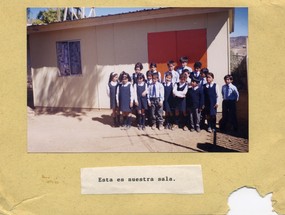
point(46, 17)
point(57, 14)
point(28, 13)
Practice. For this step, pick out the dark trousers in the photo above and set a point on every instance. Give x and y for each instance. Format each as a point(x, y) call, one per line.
point(229, 114)
point(156, 111)
point(212, 120)
point(195, 117)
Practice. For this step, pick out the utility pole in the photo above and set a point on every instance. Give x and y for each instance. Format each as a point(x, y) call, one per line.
point(76, 13)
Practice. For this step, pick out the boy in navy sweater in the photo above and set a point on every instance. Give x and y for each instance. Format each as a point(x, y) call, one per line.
point(211, 96)
point(196, 72)
point(195, 96)
point(184, 61)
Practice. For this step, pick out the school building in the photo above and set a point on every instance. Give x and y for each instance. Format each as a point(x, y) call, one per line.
point(71, 61)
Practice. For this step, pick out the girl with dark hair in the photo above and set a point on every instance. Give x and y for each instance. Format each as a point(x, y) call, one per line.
point(138, 70)
point(152, 68)
point(168, 102)
point(125, 99)
point(140, 89)
point(179, 92)
point(112, 93)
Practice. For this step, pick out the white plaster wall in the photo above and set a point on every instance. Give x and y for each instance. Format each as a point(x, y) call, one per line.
point(217, 39)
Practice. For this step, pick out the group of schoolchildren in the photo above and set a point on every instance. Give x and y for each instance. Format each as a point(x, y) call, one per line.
point(187, 98)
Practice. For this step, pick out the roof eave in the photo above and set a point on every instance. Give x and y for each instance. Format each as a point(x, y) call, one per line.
point(125, 17)
point(232, 19)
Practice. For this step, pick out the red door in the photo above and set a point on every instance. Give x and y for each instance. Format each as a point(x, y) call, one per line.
point(165, 46)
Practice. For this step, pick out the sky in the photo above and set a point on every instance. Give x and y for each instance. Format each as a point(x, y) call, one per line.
point(240, 25)
point(241, 22)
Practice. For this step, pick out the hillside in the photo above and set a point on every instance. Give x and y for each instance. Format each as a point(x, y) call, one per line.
point(238, 45)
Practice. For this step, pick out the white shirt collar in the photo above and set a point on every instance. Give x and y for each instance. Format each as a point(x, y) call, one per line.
point(181, 85)
point(167, 83)
point(125, 85)
point(209, 85)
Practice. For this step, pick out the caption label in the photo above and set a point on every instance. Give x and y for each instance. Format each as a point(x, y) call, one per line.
point(182, 179)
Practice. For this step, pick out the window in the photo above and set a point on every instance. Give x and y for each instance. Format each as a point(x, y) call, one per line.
point(68, 58)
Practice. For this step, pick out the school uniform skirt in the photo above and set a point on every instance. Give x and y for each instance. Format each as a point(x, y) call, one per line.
point(180, 104)
point(142, 103)
point(124, 99)
point(168, 104)
point(113, 102)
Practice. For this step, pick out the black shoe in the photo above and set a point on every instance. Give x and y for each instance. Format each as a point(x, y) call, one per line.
point(169, 126)
point(160, 127)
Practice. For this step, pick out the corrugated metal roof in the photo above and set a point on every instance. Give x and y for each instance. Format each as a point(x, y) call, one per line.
point(136, 11)
point(108, 15)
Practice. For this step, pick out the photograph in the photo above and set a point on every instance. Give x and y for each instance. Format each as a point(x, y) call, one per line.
point(167, 79)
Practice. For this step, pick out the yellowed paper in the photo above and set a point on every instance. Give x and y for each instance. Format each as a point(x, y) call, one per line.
point(142, 179)
point(50, 183)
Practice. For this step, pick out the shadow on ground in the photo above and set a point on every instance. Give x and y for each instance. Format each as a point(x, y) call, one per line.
point(76, 113)
point(104, 119)
point(209, 147)
point(242, 133)
point(171, 143)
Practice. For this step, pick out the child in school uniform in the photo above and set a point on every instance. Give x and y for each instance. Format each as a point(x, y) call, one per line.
point(203, 75)
point(184, 61)
point(149, 78)
point(148, 83)
point(141, 100)
point(112, 93)
point(175, 75)
point(138, 70)
point(152, 68)
point(211, 93)
point(168, 100)
point(230, 96)
point(125, 99)
point(195, 98)
point(196, 72)
point(186, 72)
point(155, 102)
point(203, 81)
point(179, 92)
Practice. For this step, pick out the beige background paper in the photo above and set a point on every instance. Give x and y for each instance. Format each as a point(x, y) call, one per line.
point(50, 183)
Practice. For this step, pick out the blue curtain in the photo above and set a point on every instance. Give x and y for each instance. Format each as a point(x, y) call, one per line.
point(68, 58)
point(75, 59)
point(63, 58)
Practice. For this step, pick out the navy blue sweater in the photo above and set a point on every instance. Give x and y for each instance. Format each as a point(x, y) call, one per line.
point(195, 98)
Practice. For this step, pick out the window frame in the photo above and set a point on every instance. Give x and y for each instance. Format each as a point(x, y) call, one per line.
point(61, 73)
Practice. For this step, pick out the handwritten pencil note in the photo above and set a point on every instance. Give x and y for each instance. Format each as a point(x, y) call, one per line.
point(177, 179)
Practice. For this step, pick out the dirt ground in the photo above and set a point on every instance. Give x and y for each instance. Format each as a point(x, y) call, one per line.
point(91, 131)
